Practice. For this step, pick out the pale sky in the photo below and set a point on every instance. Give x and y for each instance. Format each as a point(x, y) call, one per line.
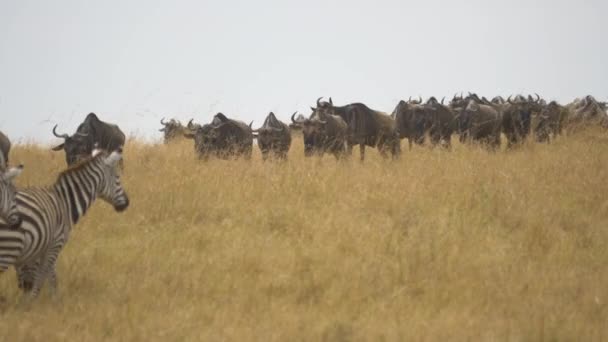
point(133, 62)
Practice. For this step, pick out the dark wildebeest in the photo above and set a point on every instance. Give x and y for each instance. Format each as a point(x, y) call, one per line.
point(173, 130)
point(5, 148)
point(90, 134)
point(550, 122)
point(366, 127)
point(322, 133)
point(517, 118)
point(476, 121)
point(440, 122)
point(410, 121)
point(222, 138)
point(273, 137)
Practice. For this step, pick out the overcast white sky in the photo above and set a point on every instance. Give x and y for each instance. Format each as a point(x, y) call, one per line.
point(132, 62)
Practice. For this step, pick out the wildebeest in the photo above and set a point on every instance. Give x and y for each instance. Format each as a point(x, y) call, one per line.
point(273, 137)
point(5, 147)
point(440, 122)
point(366, 127)
point(517, 118)
point(410, 121)
point(550, 122)
point(476, 121)
point(586, 111)
point(322, 133)
point(222, 138)
point(91, 133)
point(173, 129)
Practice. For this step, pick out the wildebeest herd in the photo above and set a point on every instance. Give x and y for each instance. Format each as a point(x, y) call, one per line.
point(337, 129)
point(35, 222)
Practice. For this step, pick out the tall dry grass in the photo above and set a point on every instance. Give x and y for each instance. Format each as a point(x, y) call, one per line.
point(461, 245)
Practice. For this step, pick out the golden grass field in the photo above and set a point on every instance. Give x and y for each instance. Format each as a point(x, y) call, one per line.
point(462, 245)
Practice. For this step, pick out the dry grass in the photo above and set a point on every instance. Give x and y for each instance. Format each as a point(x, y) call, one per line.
point(461, 245)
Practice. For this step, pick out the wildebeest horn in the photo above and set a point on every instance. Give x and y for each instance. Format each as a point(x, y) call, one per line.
point(251, 123)
point(63, 136)
point(331, 103)
point(537, 97)
point(509, 99)
point(293, 116)
point(419, 99)
point(318, 101)
point(442, 100)
point(162, 121)
point(189, 125)
point(409, 100)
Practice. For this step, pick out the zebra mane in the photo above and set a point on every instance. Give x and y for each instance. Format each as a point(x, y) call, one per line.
point(83, 163)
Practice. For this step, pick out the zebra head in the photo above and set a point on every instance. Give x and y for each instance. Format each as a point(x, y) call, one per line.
point(111, 189)
point(8, 205)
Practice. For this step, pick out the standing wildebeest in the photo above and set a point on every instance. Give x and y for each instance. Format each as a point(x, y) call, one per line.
point(411, 121)
point(273, 137)
point(366, 127)
point(322, 133)
point(173, 130)
point(517, 118)
point(550, 122)
point(440, 121)
point(222, 138)
point(476, 121)
point(91, 133)
point(5, 147)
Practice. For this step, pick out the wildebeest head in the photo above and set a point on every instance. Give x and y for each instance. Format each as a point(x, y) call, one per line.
point(270, 128)
point(498, 100)
point(522, 109)
point(76, 146)
point(410, 119)
point(172, 129)
point(313, 130)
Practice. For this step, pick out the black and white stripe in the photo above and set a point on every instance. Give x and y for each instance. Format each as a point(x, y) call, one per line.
point(9, 215)
point(48, 215)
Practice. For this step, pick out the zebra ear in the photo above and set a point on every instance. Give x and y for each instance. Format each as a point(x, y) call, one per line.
point(12, 173)
point(113, 158)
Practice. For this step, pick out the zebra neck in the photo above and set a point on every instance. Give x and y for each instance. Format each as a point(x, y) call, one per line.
point(78, 189)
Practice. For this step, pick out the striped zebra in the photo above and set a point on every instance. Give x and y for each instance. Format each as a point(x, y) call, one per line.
point(9, 215)
point(48, 215)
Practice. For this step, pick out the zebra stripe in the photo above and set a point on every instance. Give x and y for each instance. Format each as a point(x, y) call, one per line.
point(48, 215)
point(9, 215)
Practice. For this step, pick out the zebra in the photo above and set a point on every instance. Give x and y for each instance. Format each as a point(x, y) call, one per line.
point(9, 215)
point(48, 215)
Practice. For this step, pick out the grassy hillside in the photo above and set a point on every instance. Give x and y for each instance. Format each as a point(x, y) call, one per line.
point(461, 245)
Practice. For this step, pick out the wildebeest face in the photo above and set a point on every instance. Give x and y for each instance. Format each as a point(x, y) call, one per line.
point(313, 132)
point(75, 149)
point(171, 129)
